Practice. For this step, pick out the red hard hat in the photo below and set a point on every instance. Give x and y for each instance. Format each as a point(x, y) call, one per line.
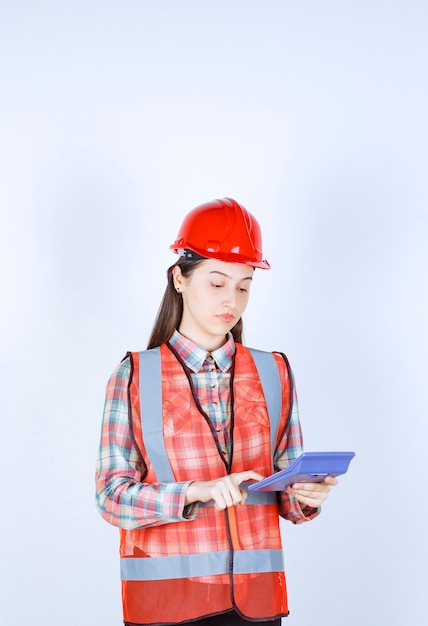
point(224, 230)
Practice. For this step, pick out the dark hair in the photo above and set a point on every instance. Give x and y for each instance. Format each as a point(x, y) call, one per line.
point(170, 311)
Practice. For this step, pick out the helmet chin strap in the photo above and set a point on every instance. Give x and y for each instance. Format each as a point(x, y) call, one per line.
point(189, 254)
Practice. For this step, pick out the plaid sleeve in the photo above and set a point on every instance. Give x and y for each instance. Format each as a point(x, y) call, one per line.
point(289, 448)
point(122, 499)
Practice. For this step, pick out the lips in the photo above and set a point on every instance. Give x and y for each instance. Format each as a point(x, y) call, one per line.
point(226, 318)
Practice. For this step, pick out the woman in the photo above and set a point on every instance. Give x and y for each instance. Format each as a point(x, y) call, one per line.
point(187, 424)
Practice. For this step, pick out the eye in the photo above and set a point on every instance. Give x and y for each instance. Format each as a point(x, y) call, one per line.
point(244, 288)
point(218, 286)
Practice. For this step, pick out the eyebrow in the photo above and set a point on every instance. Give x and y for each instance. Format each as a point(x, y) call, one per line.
point(228, 276)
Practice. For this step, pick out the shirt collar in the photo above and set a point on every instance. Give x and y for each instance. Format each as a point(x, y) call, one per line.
point(194, 356)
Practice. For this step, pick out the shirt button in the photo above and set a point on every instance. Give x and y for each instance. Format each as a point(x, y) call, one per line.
point(218, 430)
point(213, 385)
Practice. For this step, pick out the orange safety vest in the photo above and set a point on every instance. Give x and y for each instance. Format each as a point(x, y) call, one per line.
point(221, 560)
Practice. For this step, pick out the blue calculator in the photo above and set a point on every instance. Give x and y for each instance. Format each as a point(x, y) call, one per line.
point(309, 467)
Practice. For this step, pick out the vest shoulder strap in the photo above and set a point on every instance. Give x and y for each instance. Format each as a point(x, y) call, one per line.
point(151, 413)
point(271, 385)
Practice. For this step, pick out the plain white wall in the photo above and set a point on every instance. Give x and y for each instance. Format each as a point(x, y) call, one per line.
point(116, 119)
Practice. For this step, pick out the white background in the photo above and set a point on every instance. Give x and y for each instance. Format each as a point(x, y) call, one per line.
point(116, 119)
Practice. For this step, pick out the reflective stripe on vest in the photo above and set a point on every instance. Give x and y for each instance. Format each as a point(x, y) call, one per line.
point(151, 414)
point(206, 564)
point(151, 406)
point(271, 384)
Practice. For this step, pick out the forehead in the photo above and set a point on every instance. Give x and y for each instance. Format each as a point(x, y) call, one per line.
point(231, 271)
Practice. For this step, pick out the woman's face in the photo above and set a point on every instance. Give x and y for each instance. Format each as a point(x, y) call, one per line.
point(214, 299)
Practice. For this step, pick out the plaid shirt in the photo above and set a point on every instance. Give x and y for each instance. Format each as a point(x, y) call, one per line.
point(126, 502)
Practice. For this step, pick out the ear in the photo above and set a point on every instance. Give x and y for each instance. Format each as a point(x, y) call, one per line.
point(178, 278)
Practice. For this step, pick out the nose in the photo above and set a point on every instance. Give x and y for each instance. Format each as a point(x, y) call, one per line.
point(229, 300)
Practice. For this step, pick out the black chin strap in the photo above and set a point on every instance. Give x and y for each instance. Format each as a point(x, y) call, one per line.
point(189, 254)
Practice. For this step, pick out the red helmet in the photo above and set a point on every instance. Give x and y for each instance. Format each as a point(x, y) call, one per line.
point(224, 230)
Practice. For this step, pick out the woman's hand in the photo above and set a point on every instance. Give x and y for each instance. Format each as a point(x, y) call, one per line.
point(312, 494)
point(224, 491)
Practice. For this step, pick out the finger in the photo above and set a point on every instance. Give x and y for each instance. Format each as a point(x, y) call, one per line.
point(244, 495)
point(314, 503)
point(242, 477)
point(232, 484)
point(233, 497)
point(313, 500)
point(309, 497)
point(227, 496)
point(311, 487)
point(221, 501)
point(230, 493)
point(331, 480)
